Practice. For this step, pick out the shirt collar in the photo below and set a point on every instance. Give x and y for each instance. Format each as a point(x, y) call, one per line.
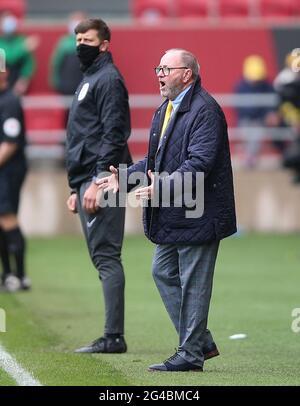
point(176, 102)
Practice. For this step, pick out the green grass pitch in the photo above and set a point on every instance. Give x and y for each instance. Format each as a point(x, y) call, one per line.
point(256, 287)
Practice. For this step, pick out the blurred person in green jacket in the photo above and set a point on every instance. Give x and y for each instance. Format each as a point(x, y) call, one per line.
point(18, 50)
point(65, 74)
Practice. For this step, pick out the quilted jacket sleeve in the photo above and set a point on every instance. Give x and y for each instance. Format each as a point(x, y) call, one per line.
point(204, 142)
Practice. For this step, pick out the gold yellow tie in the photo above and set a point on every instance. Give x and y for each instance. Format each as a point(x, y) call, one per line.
point(167, 118)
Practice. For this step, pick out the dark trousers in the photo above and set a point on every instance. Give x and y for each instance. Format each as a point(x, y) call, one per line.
point(104, 232)
point(184, 276)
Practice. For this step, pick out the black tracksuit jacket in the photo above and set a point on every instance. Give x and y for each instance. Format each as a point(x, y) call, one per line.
point(99, 123)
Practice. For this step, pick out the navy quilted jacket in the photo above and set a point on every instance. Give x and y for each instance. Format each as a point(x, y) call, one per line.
point(195, 140)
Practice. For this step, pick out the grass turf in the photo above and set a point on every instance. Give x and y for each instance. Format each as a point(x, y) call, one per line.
point(256, 286)
point(6, 380)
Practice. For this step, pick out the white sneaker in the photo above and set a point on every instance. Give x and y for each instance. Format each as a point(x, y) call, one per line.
point(25, 283)
point(12, 283)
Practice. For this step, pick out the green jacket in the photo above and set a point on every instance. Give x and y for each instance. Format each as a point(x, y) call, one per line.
point(19, 60)
point(65, 74)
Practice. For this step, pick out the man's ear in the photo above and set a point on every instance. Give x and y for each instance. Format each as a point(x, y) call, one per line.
point(187, 75)
point(104, 46)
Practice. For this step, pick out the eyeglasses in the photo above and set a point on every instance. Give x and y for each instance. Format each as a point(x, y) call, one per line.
point(166, 70)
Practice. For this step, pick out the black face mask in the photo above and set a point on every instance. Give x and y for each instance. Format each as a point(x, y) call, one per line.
point(87, 54)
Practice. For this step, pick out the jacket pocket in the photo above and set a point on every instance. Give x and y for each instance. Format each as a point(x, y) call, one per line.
point(177, 218)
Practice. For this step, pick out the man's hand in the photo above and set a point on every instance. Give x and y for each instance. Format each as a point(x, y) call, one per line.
point(272, 119)
point(21, 86)
point(32, 42)
point(110, 182)
point(147, 192)
point(72, 203)
point(7, 150)
point(89, 202)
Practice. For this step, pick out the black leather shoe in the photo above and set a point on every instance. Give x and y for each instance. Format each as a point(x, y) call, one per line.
point(210, 351)
point(105, 345)
point(175, 364)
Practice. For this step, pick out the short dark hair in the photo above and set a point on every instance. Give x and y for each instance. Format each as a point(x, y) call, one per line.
point(94, 24)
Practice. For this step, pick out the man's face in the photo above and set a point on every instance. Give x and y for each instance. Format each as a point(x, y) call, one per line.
point(171, 85)
point(88, 38)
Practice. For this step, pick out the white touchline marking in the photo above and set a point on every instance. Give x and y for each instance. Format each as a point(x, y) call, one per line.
point(15, 370)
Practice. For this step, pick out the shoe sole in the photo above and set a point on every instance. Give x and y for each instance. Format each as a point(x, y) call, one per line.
point(207, 356)
point(99, 352)
point(211, 354)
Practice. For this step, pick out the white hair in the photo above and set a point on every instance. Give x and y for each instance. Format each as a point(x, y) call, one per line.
point(189, 60)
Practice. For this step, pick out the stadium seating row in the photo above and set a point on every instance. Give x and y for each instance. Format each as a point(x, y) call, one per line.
point(157, 9)
point(17, 7)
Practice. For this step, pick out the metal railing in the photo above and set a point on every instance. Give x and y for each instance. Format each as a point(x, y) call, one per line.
point(151, 101)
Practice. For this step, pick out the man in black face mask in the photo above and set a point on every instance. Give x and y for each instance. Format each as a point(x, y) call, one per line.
point(97, 134)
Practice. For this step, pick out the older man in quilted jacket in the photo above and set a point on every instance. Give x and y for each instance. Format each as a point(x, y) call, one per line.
point(188, 138)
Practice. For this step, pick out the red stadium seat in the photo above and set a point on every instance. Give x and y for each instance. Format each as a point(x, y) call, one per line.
point(45, 126)
point(16, 7)
point(152, 9)
point(234, 8)
point(192, 8)
point(51, 119)
point(279, 8)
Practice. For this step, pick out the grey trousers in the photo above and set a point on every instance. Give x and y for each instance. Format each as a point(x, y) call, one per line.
point(104, 232)
point(184, 276)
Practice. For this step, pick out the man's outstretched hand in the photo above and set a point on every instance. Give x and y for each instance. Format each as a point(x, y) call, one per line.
point(110, 182)
point(146, 193)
